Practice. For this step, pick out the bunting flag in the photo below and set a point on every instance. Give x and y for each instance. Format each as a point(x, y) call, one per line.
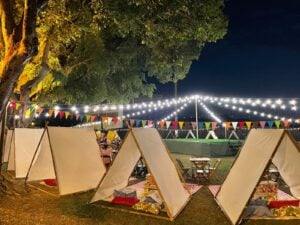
point(248, 124)
point(144, 122)
point(168, 123)
point(93, 117)
point(207, 125)
point(81, 117)
point(286, 123)
point(262, 124)
point(27, 113)
point(180, 124)
point(200, 125)
point(31, 108)
point(234, 125)
point(61, 114)
point(241, 124)
point(18, 106)
point(41, 110)
point(214, 125)
point(25, 108)
point(162, 124)
point(150, 122)
point(104, 119)
point(50, 112)
point(270, 124)
point(67, 114)
point(132, 121)
point(109, 119)
point(175, 124)
point(137, 123)
point(88, 117)
point(227, 125)
point(77, 116)
point(194, 124)
point(115, 120)
point(55, 113)
point(277, 123)
point(255, 124)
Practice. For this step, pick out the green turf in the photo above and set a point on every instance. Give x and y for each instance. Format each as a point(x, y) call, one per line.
point(205, 140)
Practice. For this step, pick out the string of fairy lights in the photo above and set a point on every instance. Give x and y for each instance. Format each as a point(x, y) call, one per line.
point(251, 106)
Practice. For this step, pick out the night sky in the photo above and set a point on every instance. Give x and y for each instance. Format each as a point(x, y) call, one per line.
point(258, 57)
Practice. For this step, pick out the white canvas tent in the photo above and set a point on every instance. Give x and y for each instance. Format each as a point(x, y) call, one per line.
point(72, 156)
point(8, 141)
point(146, 142)
point(22, 147)
point(261, 147)
point(212, 134)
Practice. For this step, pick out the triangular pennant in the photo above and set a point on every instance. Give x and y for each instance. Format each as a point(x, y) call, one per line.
point(81, 117)
point(234, 125)
point(168, 123)
point(93, 117)
point(61, 114)
point(50, 112)
point(194, 124)
point(180, 124)
point(277, 123)
point(41, 110)
point(88, 117)
point(77, 116)
point(248, 124)
point(55, 113)
point(132, 121)
point(175, 124)
point(255, 124)
point(241, 124)
point(137, 122)
point(27, 113)
point(67, 114)
point(286, 123)
point(227, 125)
point(150, 122)
point(109, 119)
point(104, 119)
point(200, 125)
point(144, 122)
point(162, 124)
point(207, 125)
point(115, 120)
point(262, 124)
point(31, 108)
point(25, 108)
point(270, 123)
point(18, 106)
point(214, 125)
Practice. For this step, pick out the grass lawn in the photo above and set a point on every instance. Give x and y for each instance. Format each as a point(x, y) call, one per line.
point(38, 208)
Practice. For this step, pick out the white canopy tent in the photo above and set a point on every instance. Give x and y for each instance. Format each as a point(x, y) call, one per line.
point(72, 156)
point(8, 140)
point(21, 150)
point(146, 142)
point(261, 147)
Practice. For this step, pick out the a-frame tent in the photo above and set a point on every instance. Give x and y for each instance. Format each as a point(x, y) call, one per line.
point(8, 140)
point(21, 150)
point(69, 155)
point(261, 147)
point(146, 143)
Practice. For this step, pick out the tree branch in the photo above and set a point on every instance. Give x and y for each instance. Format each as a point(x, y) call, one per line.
point(7, 23)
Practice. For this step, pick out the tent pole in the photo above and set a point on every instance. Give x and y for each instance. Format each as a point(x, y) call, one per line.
point(196, 115)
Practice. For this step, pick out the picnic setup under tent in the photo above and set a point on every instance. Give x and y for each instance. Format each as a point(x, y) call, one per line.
point(66, 161)
point(165, 187)
point(20, 150)
point(245, 194)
